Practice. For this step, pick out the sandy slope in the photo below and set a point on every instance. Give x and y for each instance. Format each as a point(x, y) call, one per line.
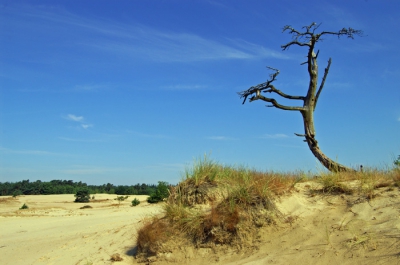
point(340, 229)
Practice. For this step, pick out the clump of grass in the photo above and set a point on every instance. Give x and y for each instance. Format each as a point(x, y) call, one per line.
point(24, 206)
point(151, 237)
point(333, 183)
point(116, 257)
point(216, 204)
point(396, 176)
point(362, 183)
point(86, 207)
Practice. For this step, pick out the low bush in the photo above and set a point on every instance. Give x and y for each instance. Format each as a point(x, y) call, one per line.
point(396, 162)
point(24, 207)
point(121, 199)
point(82, 196)
point(161, 193)
point(135, 202)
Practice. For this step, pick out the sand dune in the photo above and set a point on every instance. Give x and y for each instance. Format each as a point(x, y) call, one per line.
point(334, 229)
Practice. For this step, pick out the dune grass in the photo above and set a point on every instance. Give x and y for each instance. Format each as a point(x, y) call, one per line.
point(217, 204)
point(362, 183)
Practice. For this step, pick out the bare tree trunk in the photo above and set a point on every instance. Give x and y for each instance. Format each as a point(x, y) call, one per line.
point(313, 145)
point(308, 38)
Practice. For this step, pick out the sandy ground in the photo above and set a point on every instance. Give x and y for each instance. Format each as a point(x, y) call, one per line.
point(55, 231)
point(340, 229)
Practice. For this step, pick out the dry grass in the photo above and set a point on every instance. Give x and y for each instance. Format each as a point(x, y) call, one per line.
point(116, 257)
point(396, 177)
point(151, 236)
point(363, 183)
point(86, 207)
point(216, 204)
point(8, 199)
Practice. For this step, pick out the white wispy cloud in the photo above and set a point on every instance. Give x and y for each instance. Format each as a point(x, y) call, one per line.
point(79, 119)
point(85, 126)
point(141, 41)
point(161, 46)
point(27, 152)
point(274, 136)
point(73, 117)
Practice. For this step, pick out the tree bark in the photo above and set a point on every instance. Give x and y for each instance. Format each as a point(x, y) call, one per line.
point(309, 135)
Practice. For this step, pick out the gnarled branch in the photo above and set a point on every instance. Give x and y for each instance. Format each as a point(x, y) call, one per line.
point(275, 103)
point(309, 38)
point(268, 87)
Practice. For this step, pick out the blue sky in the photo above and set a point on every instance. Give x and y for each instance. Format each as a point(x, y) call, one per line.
point(133, 91)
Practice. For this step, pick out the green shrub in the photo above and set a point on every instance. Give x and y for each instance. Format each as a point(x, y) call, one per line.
point(397, 162)
point(161, 193)
point(121, 198)
point(24, 207)
point(82, 196)
point(135, 202)
point(16, 193)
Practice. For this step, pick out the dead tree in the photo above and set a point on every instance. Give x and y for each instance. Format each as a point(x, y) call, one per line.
point(307, 37)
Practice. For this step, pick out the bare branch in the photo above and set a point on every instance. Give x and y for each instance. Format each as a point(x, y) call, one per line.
point(349, 32)
point(275, 103)
point(280, 93)
point(286, 46)
point(309, 38)
point(267, 87)
point(322, 82)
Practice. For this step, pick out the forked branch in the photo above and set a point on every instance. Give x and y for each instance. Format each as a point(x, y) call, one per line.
point(268, 87)
point(309, 38)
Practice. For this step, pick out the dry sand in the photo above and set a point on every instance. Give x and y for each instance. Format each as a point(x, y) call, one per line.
point(339, 229)
point(55, 231)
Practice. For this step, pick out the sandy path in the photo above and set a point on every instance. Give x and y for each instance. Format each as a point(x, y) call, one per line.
point(55, 231)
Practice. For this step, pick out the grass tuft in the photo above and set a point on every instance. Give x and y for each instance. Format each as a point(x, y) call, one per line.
point(216, 204)
point(363, 183)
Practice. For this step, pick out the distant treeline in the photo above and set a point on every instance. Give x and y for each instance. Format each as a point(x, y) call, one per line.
point(25, 187)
